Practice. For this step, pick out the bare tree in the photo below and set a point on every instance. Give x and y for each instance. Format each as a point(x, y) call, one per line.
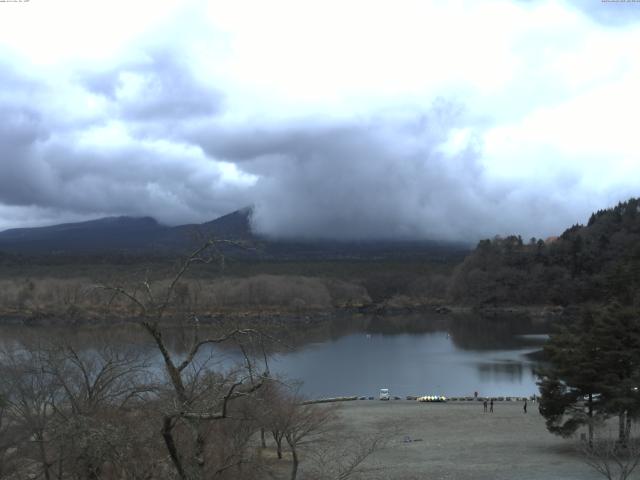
point(273, 413)
point(613, 459)
point(7, 440)
point(105, 376)
point(68, 411)
point(302, 424)
point(96, 388)
point(196, 395)
point(342, 457)
point(318, 444)
point(30, 396)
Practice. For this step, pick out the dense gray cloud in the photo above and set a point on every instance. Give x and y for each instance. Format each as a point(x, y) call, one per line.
point(388, 178)
point(51, 168)
point(323, 145)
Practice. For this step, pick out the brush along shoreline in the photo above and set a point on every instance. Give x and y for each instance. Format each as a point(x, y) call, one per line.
point(44, 317)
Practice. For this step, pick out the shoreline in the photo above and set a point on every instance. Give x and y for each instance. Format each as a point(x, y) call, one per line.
point(414, 398)
point(540, 313)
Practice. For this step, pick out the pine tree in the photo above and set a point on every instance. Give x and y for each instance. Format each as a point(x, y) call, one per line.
point(570, 388)
point(618, 332)
point(593, 372)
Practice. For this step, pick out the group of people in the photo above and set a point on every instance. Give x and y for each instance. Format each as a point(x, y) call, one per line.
point(490, 404)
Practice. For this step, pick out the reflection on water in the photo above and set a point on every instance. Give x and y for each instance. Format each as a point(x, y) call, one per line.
point(511, 370)
point(410, 355)
point(407, 364)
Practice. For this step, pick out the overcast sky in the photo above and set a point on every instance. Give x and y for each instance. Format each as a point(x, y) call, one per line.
point(344, 119)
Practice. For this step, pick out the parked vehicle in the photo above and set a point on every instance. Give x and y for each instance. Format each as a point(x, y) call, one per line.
point(432, 398)
point(384, 394)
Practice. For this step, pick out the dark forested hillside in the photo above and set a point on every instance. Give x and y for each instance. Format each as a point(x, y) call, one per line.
point(596, 262)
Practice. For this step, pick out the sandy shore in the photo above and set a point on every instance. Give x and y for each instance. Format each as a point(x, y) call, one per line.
point(459, 442)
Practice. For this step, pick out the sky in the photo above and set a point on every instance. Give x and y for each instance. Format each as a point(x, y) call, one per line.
point(352, 120)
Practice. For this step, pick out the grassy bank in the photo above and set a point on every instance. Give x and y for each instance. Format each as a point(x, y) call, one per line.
point(458, 441)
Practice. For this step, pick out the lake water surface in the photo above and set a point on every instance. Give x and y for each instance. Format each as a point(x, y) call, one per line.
point(412, 355)
point(409, 364)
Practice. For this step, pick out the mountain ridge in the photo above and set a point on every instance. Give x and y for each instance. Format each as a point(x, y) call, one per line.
point(120, 233)
point(145, 235)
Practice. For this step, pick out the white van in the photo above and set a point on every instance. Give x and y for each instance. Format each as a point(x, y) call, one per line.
point(384, 394)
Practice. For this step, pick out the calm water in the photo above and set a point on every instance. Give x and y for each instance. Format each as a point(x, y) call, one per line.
point(408, 364)
point(408, 355)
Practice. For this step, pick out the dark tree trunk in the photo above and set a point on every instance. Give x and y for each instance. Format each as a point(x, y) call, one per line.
point(43, 457)
point(277, 437)
point(167, 435)
point(198, 455)
point(590, 413)
point(295, 462)
point(624, 428)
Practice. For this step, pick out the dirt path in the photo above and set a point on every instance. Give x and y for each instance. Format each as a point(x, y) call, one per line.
point(460, 442)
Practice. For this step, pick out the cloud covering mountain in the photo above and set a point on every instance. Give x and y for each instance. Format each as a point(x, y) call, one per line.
point(395, 120)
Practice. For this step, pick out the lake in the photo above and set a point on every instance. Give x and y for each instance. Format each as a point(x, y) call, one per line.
point(409, 355)
point(408, 364)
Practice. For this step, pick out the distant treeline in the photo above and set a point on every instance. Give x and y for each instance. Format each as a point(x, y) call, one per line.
point(62, 284)
point(8, 259)
point(598, 262)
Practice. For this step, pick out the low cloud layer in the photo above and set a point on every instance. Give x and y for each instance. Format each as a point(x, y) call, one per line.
point(212, 112)
point(394, 178)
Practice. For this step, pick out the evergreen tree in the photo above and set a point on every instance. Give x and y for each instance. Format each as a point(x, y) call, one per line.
point(593, 372)
point(618, 332)
point(570, 386)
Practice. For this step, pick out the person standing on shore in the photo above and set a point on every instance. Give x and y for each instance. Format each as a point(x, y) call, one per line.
point(491, 406)
point(485, 405)
point(525, 405)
